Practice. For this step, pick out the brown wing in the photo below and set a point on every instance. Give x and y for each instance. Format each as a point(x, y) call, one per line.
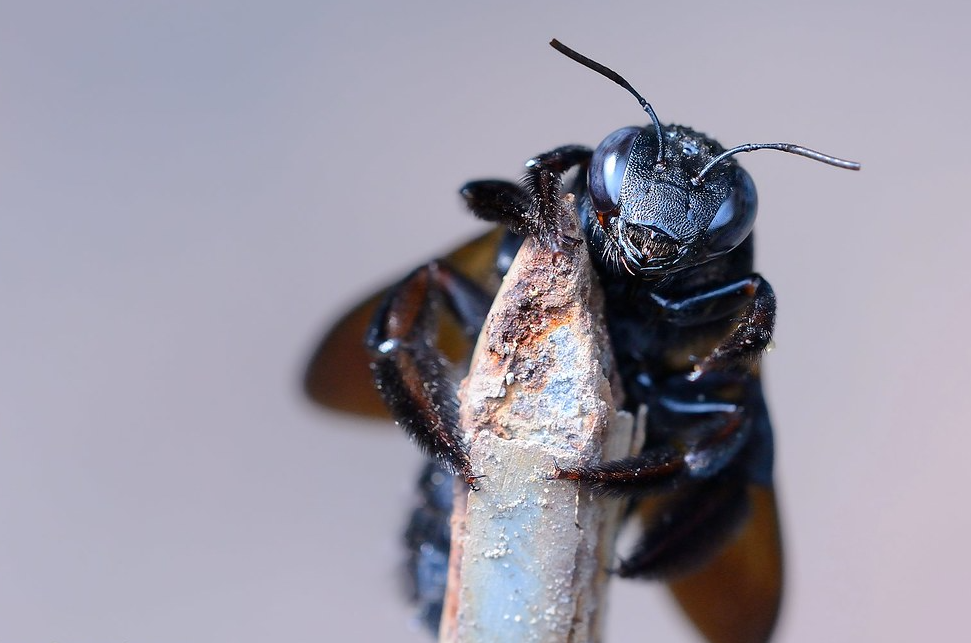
point(339, 374)
point(736, 597)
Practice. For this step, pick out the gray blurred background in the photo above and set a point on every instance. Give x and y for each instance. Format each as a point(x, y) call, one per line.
point(191, 191)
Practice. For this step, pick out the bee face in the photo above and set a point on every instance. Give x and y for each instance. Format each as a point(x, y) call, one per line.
point(653, 213)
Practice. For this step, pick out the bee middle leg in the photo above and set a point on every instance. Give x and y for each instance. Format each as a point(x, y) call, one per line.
point(690, 526)
point(411, 373)
point(716, 428)
point(708, 439)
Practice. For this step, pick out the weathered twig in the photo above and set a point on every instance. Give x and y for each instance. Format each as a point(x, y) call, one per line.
point(529, 554)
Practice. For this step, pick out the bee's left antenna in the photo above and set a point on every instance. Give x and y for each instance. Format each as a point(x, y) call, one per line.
point(781, 147)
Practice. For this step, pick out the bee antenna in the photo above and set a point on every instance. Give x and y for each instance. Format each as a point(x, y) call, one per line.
point(782, 147)
point(617, 78)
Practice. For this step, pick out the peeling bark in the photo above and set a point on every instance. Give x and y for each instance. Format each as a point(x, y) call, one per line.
point(529, 555)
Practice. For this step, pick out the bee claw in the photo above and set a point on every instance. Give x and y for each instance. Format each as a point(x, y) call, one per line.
point(470, 480)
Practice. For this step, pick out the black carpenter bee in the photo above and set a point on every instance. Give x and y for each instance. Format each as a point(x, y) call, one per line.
point(668, 216)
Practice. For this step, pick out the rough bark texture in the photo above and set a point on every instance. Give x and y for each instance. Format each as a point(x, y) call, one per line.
point(529, 554)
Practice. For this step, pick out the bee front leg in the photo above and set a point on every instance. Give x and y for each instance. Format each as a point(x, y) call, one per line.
point(752, 303)
point(496, 200)
point(414, 378)
point(532, 209)
point(742, 348)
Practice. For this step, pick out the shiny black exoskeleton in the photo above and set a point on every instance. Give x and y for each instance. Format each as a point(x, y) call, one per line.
point(668, 215)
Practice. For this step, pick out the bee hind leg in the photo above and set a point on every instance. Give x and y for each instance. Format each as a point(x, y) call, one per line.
point(689, 528)
point(428, 541)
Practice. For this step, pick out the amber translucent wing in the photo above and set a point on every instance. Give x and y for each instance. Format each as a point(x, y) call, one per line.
point(736, 597)
point(339, 374)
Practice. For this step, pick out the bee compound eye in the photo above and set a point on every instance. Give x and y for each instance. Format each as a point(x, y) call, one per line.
point(607, 167)
point(735, 217)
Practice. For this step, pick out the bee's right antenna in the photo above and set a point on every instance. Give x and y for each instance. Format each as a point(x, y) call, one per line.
point(617, 78)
